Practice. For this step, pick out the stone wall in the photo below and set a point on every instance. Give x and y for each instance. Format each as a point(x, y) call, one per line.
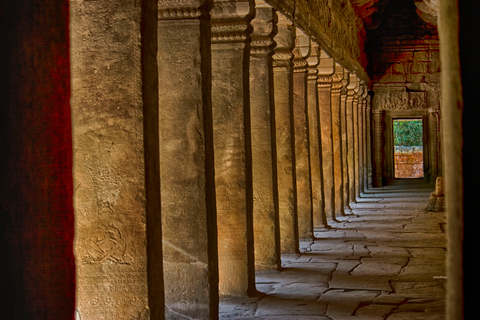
point(408, 162)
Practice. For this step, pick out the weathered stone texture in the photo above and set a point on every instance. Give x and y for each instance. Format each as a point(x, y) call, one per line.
point(335, 102)
point(186, 160)
point(300, 124)
point(326, 69)
point(316, 172)
point(283, 84)
point(109, 166)
point(262, 124)
point(230, 60)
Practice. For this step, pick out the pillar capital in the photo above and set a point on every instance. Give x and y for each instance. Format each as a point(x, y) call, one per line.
point(301, 51)
point(285, 40)
point(345, 82)
point(337, 78)
point(264, 29)
point(326, 69)
point(179, 10)
point(313, 60)
point(230, 20)
point(352, 86)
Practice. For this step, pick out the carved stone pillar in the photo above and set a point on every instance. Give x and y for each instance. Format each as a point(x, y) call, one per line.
point(377, 161)
point(362, 139)
point(110, 202)
point(337, 86)
point(283, 88)
point(186, 161)
point(231, 135)
point(369, 134)
point(433, 131)
point(318, 199)
point(326, 69)
point(262, 122)
point(350, 128)
point(356, 139)
point(300, 125)
point(343, 130)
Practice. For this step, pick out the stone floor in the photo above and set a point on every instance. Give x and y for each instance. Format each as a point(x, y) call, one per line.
point(386, 261)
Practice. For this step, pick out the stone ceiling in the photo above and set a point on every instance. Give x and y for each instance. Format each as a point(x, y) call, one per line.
point(371, 11)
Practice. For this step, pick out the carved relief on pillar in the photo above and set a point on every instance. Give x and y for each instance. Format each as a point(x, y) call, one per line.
point(182, 9)
point(230, 20)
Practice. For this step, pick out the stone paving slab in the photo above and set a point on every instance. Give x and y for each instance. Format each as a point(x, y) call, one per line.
point(384, 262)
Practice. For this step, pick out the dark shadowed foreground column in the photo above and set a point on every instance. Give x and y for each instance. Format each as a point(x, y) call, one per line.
point(325, 70)
point(456, 34)
point(337, 85)
point(109, 161)
point(230, 104)
point(36, 187)
point(283, 88)
point(300, 125)
point(264, 171)
point(186, 163)
point(318, 208)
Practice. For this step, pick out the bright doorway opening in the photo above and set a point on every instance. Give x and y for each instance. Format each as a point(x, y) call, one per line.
point(408, 144)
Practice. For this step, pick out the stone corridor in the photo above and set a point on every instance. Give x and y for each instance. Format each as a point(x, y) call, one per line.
point(385, 261)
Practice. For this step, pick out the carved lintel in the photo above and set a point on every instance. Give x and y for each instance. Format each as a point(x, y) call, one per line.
point(399, 100)
point(182, 9)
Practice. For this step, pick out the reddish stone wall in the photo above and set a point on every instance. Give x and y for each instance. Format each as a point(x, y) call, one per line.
point(409, 163)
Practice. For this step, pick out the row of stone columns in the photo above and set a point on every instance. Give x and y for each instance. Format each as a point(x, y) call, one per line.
point(262, 138)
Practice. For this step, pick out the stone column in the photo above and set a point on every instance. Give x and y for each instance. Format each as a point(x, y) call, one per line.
point(283, 88)
point(369, 147)
point(262, 120)
point(318, 198)
point(301, 145)
point(343, 130)
point(350, 127)
point(113, 215)
point(356, 139)
point(186, 161)
point(337, 85)
point(434, 143)
point(326, 69)
point(362, 140)
point(377, 144)
point(231, 136)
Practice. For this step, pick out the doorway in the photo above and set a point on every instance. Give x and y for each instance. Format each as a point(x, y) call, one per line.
point(408, 148)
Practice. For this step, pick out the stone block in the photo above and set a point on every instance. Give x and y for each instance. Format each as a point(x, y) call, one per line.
point(398, 68)
point(415, 77)
point(420, 56)
point(434, 55)
point(393, 78)
point(404, 56)
point(418, 67)
point(433, 66)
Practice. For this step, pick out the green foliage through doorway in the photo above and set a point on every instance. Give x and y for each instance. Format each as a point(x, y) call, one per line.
point(408, 133)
